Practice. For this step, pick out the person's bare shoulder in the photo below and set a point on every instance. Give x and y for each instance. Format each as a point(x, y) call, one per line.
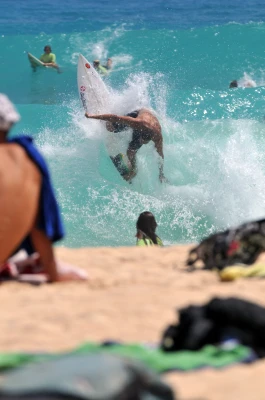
point(15, 163)
point(13, 151)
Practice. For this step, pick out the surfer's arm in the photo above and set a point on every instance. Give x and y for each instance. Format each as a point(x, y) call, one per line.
point(103, 117)
point(43, 246)
point(129, 121)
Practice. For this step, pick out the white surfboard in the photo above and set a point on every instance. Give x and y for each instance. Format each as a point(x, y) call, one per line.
point(96, 99)
point(35, 62)
point(93, 92)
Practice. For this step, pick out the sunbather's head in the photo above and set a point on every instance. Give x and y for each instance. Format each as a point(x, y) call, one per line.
point(8, 114)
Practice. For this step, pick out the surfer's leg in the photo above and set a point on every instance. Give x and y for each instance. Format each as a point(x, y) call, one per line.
point(120, 164)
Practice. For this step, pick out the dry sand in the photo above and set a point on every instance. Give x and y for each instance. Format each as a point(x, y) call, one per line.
point(132, 295)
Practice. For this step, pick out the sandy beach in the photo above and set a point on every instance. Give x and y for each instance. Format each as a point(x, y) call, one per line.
point(132, 295)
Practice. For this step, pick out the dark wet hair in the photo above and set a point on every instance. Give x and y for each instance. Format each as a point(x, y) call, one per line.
point(120, 126)
point(233, 84)
point(47, 47)
point(147, 224)
point(133, 114)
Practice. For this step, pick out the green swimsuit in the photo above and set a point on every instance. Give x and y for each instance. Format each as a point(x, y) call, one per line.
point(146, 241)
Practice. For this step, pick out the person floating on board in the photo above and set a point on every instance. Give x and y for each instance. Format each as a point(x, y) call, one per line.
point(146, 226)
point(30, 218)
point(99, 68)
point(145, 126)
point(49, 59)
point(246, 83)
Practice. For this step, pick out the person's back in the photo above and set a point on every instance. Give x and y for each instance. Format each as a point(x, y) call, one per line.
point(20, 183)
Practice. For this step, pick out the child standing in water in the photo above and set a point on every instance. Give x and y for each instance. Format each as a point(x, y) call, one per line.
point(146, 226)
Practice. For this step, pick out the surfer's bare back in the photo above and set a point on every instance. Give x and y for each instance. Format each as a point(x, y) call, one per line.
point(145, 127)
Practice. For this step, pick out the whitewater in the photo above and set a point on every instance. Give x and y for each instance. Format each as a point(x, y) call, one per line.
point(214, 137)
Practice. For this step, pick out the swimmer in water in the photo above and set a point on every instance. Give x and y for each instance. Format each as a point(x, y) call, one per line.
point(247, 83)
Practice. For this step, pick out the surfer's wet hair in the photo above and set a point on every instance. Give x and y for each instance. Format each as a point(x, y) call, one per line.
point(120, 126)
point(47, 47)
point(133, 114)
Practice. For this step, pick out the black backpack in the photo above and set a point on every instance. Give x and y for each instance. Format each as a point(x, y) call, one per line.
point(241, 245)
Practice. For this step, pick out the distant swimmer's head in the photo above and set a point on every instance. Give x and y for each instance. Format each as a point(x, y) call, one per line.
point(8, 113)
point(47, 49)
point(146, 224)
point(96, 63)
point(233, 84)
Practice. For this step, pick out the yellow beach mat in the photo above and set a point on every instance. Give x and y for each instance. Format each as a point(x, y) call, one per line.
point(242, 271)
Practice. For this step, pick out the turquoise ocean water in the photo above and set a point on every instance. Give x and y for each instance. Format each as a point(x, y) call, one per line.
point(174, 60)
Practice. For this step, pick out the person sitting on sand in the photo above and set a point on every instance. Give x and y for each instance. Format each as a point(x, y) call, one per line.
point(99, 68)
point(146, 128)
point(146, 226)
point(49, 59)
point(29, 214)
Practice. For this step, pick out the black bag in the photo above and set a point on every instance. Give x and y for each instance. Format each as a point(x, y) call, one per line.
point(242, 245)
point(98, 376)
point(213, 322)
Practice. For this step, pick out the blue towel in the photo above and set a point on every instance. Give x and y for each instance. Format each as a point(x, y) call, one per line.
point(49, 220)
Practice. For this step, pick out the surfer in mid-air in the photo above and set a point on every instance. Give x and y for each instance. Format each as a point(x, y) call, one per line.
point(145, 127)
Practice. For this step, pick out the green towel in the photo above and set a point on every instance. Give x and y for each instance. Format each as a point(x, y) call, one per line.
point(154, 358)
point(185, 360)
point(96, 376)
